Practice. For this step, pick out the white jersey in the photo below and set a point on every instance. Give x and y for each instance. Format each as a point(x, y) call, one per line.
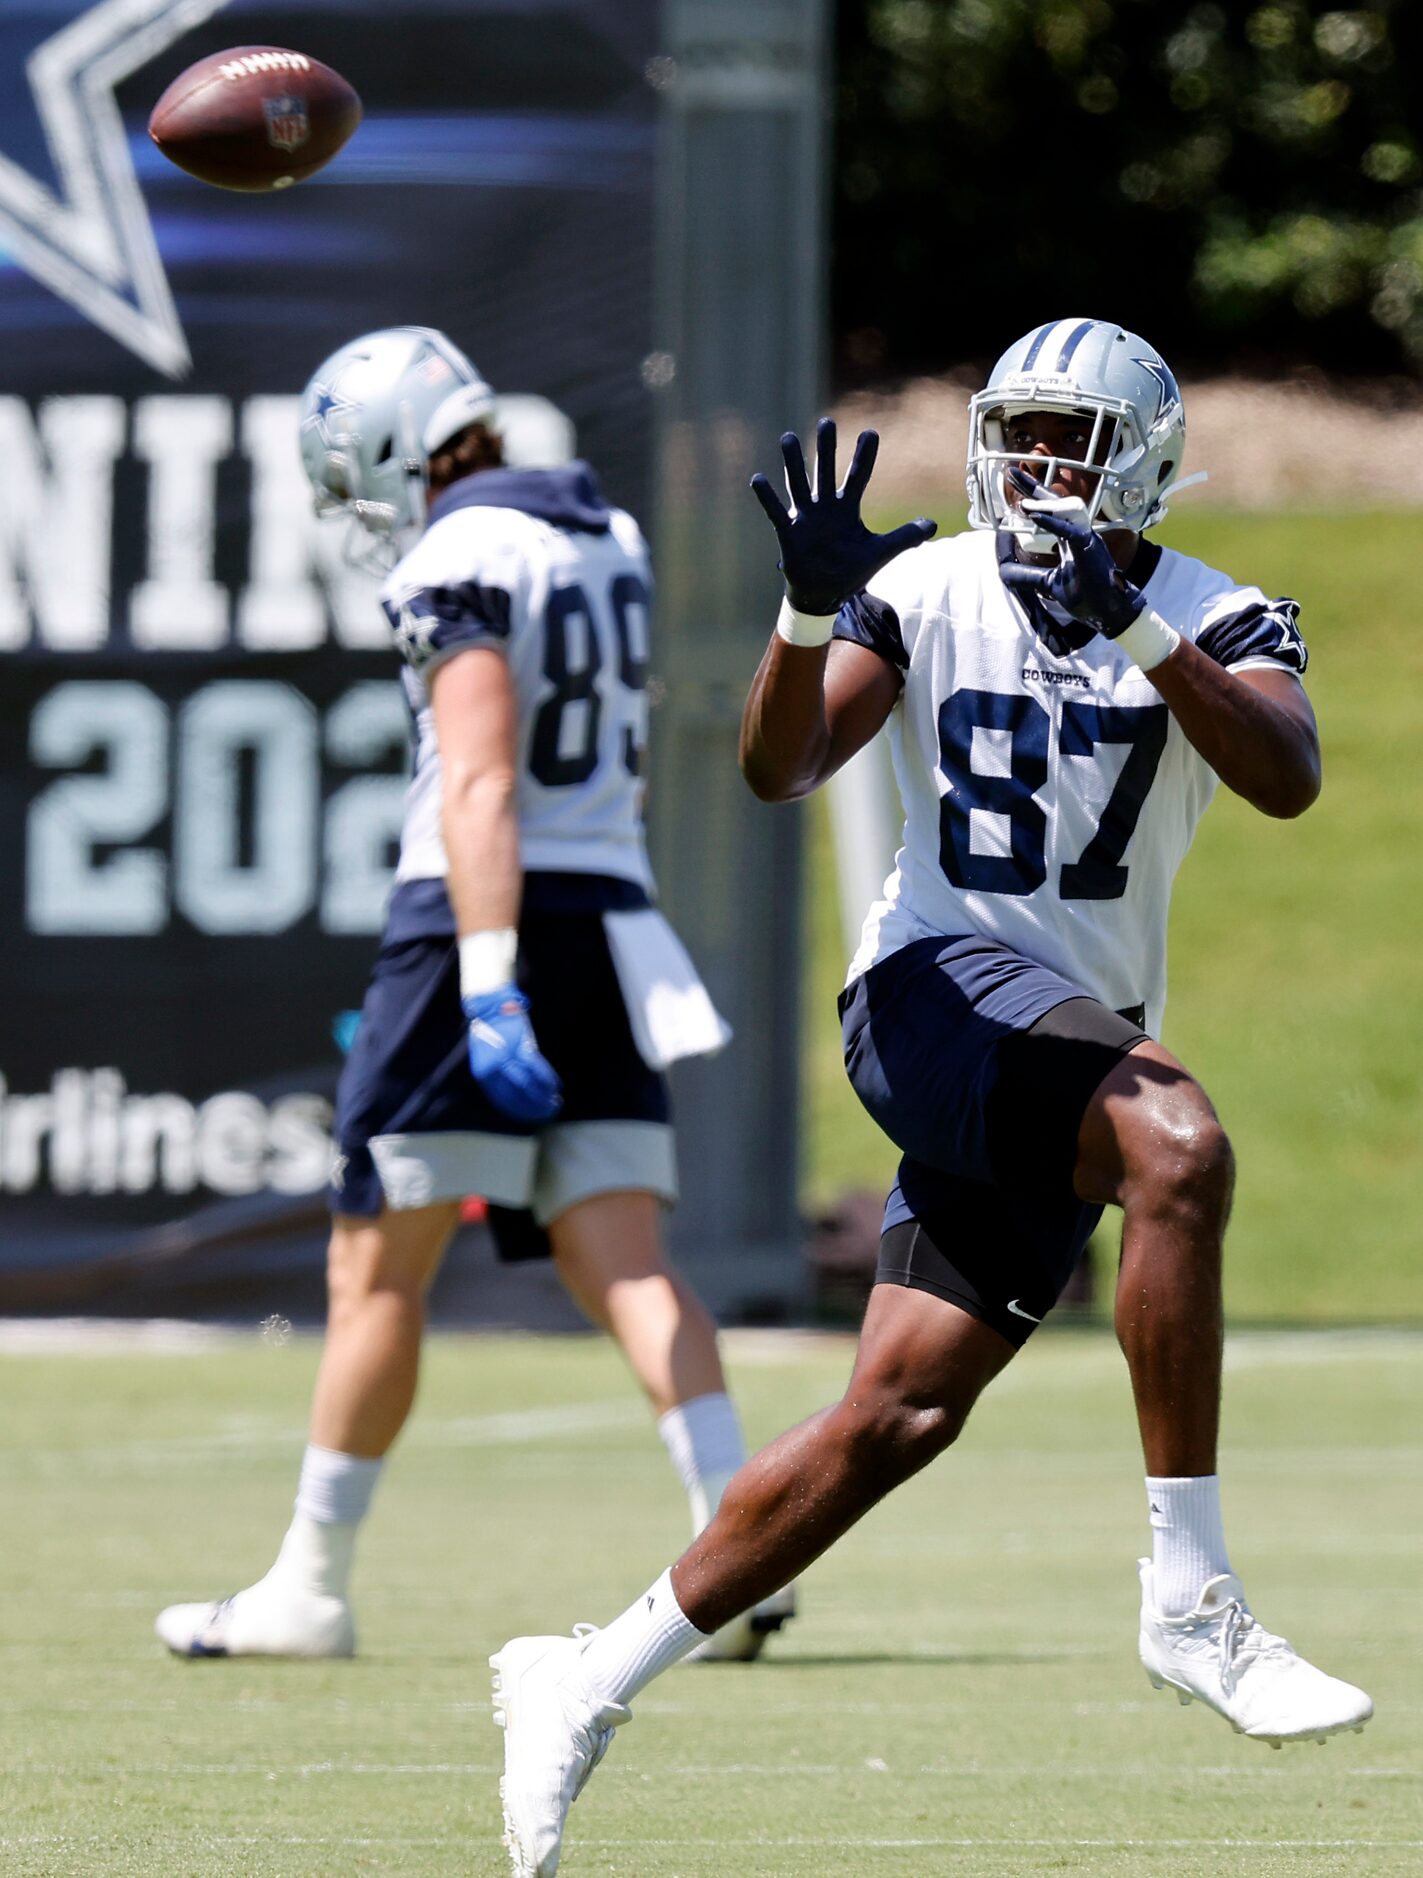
point(1049, 794)
point(536, 565)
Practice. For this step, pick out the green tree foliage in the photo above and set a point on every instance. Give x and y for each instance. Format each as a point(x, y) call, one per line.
point(1236, 182)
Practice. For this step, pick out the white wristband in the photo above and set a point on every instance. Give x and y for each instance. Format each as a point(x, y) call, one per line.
point(1148, 640)
point(804, 629)
point(487, 960)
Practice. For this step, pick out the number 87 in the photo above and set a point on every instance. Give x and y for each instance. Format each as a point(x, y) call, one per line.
point(1097, 874)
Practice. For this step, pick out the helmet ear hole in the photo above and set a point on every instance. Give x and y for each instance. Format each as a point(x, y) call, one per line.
point(384, 453)
point(1164, 472)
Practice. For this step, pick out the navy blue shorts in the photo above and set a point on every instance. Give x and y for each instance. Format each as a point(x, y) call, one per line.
point(412, 1125)
point(979, 1065)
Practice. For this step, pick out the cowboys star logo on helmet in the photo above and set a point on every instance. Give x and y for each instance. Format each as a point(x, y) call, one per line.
point(92, 243)
point(1165, 377)
point(323, 402)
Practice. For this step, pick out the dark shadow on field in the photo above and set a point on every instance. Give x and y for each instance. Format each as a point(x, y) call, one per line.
point(236, 1263)
point(908, 1659)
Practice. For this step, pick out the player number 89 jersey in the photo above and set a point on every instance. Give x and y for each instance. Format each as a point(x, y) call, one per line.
point(1049, 794)
point(536, 566)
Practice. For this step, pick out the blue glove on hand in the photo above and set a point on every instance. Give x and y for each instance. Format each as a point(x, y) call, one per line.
point(1087, 583)
point(827, 553)
point(505, 1058)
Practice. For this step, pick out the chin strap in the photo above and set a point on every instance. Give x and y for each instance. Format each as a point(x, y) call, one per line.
point(1168, 493)
point(1198, 476)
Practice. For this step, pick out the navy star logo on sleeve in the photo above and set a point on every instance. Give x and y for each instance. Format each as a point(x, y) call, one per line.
point(1291, 648)
point(91, 242)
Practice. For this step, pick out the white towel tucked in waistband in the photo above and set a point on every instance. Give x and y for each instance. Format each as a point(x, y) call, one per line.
point(668, 1006)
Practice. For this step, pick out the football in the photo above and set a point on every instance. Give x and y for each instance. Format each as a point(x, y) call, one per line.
point(254, 118)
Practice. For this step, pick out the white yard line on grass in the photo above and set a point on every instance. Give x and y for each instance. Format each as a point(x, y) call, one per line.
point(512, 1427)
point(101, 1336)
point(764, 1843)
point(1017, 1844)
point(1256, 1349)
point(261, 1770)
point(509, 1428)
point(90, 1336)
point(1044, 1771)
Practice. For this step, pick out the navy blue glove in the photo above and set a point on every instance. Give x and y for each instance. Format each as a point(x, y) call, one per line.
point(505, 1058)
point(827, 553)
point(1087, 583)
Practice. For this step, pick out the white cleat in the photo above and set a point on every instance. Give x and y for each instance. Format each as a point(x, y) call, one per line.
point(555, 1733)
point(260, 1622)
point(744, 1638)
point(1220, 1655)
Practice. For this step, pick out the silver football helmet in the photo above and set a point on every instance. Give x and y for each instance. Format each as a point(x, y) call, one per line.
point(372, 416)
point(1097, 369)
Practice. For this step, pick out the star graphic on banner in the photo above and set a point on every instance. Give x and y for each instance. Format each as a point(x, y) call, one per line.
point(93, 244)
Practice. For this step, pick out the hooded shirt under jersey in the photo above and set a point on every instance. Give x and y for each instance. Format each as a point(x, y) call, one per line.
point(535, 564)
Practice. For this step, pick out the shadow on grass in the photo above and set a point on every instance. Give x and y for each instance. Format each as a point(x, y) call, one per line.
point(911, 1659)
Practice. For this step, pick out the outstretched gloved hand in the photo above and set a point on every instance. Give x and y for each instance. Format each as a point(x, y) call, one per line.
point(827, 553)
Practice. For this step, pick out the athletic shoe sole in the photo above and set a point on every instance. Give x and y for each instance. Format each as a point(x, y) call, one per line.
point(1186, 1697)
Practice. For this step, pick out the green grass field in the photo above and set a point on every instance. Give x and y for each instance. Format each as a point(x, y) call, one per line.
point(1295, 989)
point(959, 1696)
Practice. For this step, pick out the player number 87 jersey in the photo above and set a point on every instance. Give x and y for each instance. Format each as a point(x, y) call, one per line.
point(1049, 795)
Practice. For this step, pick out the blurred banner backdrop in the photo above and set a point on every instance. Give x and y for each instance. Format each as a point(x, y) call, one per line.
point(200, 776)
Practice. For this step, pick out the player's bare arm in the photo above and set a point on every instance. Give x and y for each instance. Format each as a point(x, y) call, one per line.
point(809, 710)
point(813, 705)
point(1255, 729)
point(476, 728)
point(476, 717)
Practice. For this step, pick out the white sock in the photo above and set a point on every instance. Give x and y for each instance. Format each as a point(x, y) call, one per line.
point(332, 1498)
point(704, 1439)
point(315, 1558)
point(650, 1636)
point(1187, 1540)
point(335, 1488)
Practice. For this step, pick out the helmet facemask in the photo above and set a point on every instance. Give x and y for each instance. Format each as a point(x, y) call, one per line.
point(1094, 370)
point(385, 501)
point(1115, 451)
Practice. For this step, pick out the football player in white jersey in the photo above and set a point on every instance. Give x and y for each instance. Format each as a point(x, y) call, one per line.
point(516, 1026)
point(1061, 697)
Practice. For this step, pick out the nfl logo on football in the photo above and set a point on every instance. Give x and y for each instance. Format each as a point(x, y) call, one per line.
point(287, 124)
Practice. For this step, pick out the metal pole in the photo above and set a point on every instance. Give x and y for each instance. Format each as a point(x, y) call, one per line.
point(739, 316)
